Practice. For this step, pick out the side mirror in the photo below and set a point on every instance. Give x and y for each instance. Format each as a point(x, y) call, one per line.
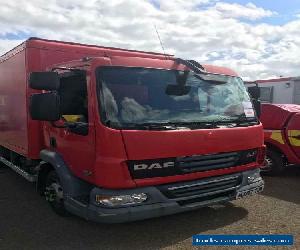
point(44, 80)
point(45, 107)
point(254, 92)
point(177, 90)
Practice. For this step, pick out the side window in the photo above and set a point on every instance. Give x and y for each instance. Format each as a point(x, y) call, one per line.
point(74, 101)
point(266, 94)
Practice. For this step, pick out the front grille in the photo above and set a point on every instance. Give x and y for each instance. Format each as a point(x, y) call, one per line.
point(149, 168)
point(201, 190)
point(208, 162)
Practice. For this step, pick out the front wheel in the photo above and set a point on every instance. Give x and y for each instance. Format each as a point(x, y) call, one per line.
point(2, 154)
point(54, 194)
point(274, 163)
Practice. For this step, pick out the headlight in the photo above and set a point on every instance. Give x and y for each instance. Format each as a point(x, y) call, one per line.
point(254, 178)
point(121, 200)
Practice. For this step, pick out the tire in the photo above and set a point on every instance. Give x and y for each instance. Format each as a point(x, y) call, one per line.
point(274, 163)
point(2, 165)
point(54, 194)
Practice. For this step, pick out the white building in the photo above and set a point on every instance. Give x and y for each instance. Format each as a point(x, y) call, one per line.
point(280, 90)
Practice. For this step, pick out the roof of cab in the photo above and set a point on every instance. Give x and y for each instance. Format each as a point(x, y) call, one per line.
point(98, 50)
point(95, 50)
point(219, 70)
point(148, 63)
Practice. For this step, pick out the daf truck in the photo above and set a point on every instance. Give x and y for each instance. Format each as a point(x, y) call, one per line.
point(115, 135)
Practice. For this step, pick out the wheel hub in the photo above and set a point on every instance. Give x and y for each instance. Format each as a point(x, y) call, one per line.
point(267, 164)
point(54, 192)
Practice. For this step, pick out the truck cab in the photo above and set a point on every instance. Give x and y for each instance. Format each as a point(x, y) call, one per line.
point(147, 137)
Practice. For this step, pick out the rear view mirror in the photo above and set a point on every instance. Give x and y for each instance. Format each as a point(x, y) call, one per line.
point(44, 80)
point(177, 90)
point(254, 92)
point(45, 107)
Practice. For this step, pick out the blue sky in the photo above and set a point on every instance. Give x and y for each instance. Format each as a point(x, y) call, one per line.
point(286, 9)
point(15, 36)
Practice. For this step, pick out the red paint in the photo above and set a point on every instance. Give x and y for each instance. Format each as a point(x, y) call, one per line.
point(104, 151)
point(148, 144)
point(275, 116)
point(281, 118)
point(13, 120)
point(220, 70)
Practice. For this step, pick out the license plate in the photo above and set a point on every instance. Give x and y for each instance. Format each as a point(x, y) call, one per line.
point(249, 192)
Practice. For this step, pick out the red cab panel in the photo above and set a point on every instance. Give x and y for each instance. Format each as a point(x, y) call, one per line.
point(154, 144)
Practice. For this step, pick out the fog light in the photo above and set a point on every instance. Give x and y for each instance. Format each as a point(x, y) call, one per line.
point(254, 178)
point(121, 200)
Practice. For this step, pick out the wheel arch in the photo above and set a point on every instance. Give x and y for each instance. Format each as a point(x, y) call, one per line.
point(44, 169)
point(72, 185)
point(273, 147)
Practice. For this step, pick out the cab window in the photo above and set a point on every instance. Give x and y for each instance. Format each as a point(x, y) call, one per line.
point(74, 100)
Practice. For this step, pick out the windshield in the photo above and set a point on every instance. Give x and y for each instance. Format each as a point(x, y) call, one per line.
point(132, 96)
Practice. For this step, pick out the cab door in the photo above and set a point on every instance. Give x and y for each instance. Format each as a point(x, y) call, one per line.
point(73, 137)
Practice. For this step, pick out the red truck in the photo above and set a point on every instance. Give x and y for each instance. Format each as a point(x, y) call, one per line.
point(282, 136)
point(115, 135)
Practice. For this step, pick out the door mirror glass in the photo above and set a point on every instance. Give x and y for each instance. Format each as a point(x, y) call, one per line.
point(44, 80)
point(45, 107)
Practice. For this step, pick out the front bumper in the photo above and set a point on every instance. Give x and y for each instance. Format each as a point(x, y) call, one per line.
point(167, 199)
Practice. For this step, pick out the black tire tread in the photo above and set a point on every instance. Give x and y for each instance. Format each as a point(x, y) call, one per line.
point(58, 208)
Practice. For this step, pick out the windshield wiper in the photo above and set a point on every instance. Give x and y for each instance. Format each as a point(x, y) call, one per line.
point(240, 120)
point(193, 124)
point(172, 125)
point(150, 126)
